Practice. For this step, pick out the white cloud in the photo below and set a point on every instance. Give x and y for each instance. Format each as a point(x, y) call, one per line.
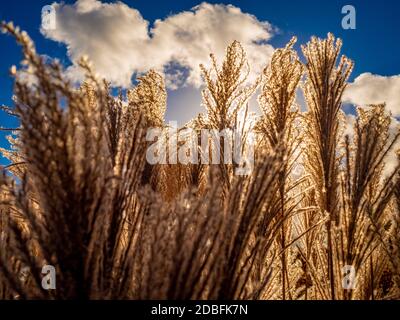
point(119, 42)
point(189, 37)
point(374, 89)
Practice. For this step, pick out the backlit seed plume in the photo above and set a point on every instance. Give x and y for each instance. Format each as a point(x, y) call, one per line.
point(226, 96)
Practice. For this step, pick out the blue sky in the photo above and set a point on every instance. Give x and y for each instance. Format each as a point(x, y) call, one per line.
point(374, 45)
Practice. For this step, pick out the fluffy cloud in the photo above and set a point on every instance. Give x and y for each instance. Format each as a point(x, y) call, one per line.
point(120, 43)
point(373, 89)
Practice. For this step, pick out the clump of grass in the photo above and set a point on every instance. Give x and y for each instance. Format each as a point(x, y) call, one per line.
point(80, 195)
point(323, 89)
